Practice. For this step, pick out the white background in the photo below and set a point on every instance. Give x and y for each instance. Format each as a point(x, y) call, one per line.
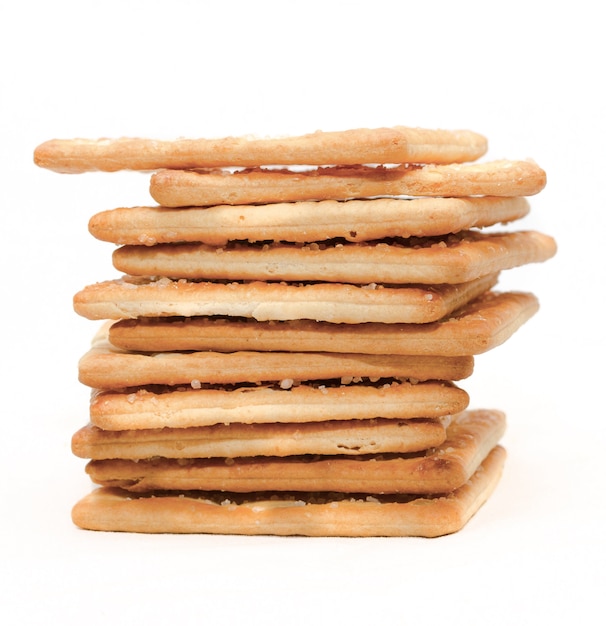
point(528, 75)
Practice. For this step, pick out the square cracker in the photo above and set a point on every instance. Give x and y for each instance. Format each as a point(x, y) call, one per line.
point(178, 188)
point(304, 222)
point(348, 437)
point(398, 144)
point(132, 297)
point(454, 259)
point(287, 402)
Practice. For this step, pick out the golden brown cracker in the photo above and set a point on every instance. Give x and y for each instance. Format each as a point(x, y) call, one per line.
point(132, 297)
point(454, 259)
point(348, 437)
point(304, 222)
point(399, 144)
point(285, 402)
point(179, 188)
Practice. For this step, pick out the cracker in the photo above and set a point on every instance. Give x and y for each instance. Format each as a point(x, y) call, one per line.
point(131, 297)
point(381, 145)
point(455, 258)
point(106, 367)
point(479, 326)
point(178, 188)
point(304, 222)
point(469, 438)
point(348, 437)
point(338, 400)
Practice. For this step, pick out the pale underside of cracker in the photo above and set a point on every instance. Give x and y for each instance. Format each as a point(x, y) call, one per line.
point(382, 145)
point(132, 297)
point(304, 222)
point(479, 326)
point(453, 259)
point(469, 438)
point(105, 367)
point(181, 188)
point(349, 437)
point(317, 515)
point(287, 402)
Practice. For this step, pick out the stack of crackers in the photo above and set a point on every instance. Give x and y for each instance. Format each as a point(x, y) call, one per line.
point(287, 348)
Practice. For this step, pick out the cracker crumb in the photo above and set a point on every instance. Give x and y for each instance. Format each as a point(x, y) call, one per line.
point(146, 240)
